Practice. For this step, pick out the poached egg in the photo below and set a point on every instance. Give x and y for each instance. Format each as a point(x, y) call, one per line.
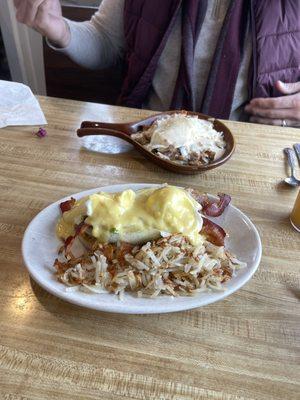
point(135, 217)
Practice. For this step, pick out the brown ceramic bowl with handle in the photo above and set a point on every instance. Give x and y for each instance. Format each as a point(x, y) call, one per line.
point(125, 130)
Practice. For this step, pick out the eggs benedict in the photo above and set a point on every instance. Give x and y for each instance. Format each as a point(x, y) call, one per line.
point(148, 242)
point(134, 217)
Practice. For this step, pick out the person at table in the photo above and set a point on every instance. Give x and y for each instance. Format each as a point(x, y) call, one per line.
point(225, 58)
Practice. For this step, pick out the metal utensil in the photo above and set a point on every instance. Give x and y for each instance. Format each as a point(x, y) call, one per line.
point(291, 180)
point(297, 150)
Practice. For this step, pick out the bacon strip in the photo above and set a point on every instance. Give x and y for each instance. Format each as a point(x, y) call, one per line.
point(211, 208)
point(79, 230)
point(213, 232)
point(215, 208)
point(68, 243)
point(67, 205)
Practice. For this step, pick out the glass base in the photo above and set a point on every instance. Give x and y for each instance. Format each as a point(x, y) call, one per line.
point(294, 226)
point(106, 144)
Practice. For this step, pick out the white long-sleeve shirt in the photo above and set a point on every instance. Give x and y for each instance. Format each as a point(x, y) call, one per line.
point(100, 43)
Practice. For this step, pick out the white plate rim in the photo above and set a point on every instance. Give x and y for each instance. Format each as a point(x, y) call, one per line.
point(64, 295)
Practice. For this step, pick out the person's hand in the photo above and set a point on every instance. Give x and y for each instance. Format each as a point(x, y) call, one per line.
point(45, 16)
point(282, 111)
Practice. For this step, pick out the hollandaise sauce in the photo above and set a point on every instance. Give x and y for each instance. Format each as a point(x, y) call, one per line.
point(135, 217)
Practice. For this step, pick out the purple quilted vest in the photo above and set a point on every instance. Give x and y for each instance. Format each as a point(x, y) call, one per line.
point(275, 26)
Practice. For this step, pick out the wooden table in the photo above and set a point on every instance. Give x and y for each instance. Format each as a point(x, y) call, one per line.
point(245, 347)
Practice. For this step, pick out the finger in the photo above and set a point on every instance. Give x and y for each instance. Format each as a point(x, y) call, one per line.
point(277, 102)
point(31, 12)
point(275, 122)
point(288, 88)
point(266, 121)
point(280, 113)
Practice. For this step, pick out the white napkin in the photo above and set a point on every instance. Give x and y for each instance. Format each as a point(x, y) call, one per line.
point(18, 106)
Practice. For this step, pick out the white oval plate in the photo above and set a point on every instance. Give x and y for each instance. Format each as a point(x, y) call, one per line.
point(40, 245)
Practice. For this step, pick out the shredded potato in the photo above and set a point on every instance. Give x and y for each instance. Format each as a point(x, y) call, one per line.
point(170, 266)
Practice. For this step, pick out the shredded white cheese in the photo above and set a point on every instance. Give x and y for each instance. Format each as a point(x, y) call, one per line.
point(186, 132)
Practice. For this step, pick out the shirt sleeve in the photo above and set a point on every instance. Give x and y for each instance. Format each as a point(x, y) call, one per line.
point(100, 42)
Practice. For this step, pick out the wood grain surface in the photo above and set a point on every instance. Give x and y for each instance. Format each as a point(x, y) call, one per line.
point(245, 347)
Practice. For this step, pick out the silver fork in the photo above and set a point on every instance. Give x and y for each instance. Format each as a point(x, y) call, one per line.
point(291, 180)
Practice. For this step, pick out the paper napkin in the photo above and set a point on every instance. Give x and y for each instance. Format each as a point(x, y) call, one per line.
point(18, 106)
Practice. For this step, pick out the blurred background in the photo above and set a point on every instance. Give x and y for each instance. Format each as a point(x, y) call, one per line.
point(25, 57)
